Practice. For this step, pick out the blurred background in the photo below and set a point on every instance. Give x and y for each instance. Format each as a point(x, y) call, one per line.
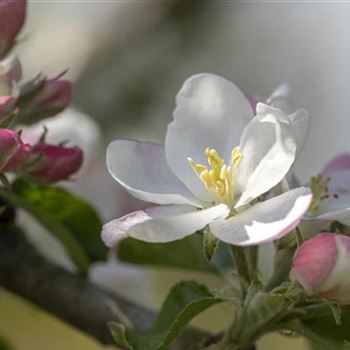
point(128, 59)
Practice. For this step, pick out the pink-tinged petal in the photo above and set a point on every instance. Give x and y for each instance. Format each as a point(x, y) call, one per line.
point(321, 265)
point(265, 221)
point(143, 170)
point(338, 163)
point(162, 224)
point(210, 112)
point(254, 100)
point(314, 260)
point(10, 141)
point(116, 230)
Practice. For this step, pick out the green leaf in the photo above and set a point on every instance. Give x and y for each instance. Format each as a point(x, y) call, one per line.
point(75, 214)
point(262, 309)
point(68, 218)
point(186, 300)
point(282, 265)
point(324, 332)
point(183, 254)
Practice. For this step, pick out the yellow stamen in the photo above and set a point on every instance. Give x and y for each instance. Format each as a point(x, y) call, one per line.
point(220, 179)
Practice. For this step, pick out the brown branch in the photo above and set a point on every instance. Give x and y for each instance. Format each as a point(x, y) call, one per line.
point(70, 297)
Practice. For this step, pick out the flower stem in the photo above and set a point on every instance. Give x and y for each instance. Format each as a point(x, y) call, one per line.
point(299, 236)
point(239, 259)
point(252, 260)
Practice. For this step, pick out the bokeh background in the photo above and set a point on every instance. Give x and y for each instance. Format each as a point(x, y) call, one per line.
point(128, 59)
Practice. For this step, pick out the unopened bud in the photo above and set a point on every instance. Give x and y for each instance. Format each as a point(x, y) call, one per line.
point(44, 98)
point(322, 264)
point(57, 162)
point(9, 144)
point(12, 15)
point(19, 160)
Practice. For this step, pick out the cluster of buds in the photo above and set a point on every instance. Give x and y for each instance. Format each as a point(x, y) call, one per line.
point(37, 99)
point(43, 98)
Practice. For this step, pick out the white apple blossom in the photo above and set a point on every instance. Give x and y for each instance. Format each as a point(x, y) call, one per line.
point(215, 169)
point(331, 194)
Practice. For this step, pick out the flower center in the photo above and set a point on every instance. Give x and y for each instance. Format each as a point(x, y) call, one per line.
point(220, 179)
point(320, 191)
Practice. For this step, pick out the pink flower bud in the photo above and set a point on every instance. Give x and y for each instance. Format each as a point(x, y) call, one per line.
point(322, 264)
point(42, 98)
point(7, 106)
point(9, 144)
point(12, 15)
point(57, 163)
point(19, 159)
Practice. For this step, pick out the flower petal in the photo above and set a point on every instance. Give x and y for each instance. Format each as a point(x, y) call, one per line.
point(116, 230)
point(340, 162)
point(142, 169)
point(268, 147)
point(314, 260)
point(336, 209)
point(265, 221)
point(161, 224)
point(210, 112)
point(301, 123)
point(282, 99)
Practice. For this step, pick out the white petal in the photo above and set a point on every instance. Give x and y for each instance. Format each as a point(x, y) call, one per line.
point(162, 224)
point(336, 209)
point(301, 123)
point(142, 169)
point(116, 230)
point(265, 221)
point(340, 182)
point(210, 112)
point(282, 99)
point(268, 147)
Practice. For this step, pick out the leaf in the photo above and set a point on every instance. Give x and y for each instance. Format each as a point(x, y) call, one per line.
point(282, 266)
point(183, 254)
point(336, 312)
point(186, 300)
point(262, 309)
point(8, 120)
point(325, 332)
point(75, 214)
point(70, 219)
